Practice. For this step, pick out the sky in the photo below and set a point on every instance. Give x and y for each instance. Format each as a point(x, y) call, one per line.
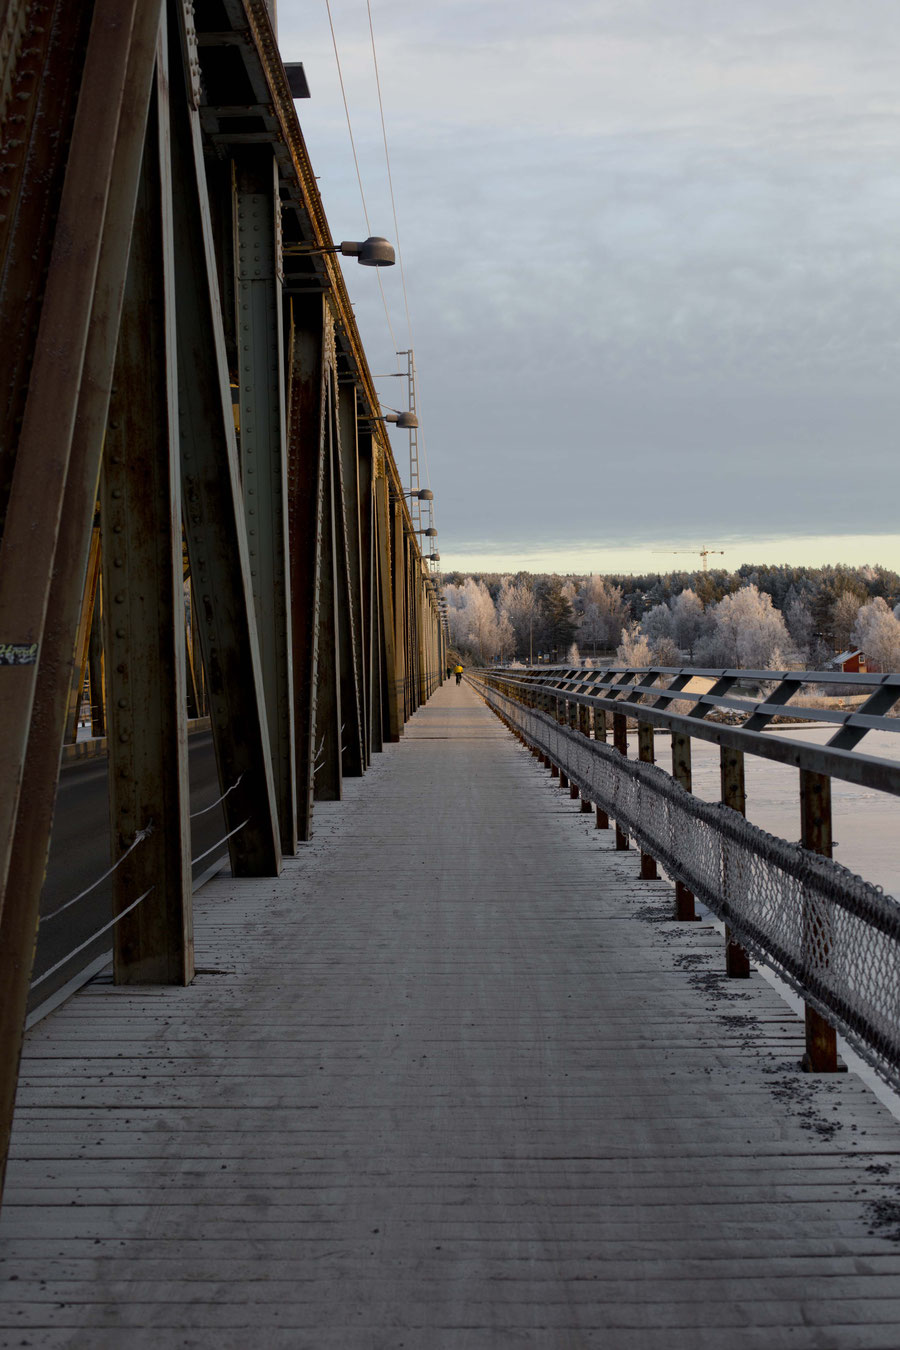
point(652, 256)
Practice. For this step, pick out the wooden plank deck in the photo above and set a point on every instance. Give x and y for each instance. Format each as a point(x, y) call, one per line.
point(456, 1082)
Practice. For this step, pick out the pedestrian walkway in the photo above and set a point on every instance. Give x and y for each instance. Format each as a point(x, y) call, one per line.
point(452, 1082)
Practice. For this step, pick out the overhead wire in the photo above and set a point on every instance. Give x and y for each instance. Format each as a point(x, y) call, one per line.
point(362, 193)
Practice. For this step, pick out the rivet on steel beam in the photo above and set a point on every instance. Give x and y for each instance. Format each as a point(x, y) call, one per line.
point(120, 632)
point(120, 598)
point(123, 702)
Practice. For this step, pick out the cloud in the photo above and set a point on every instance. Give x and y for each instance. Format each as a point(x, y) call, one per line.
point(652, 250)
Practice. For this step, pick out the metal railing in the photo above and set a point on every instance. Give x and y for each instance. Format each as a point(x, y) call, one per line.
point(832, 936)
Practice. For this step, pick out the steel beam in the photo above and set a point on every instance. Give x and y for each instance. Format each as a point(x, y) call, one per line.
point(346, 517)
point(392, 686)
point(140, 511)
point(215, 524)
point(18, 921)
point(329, 717)
point(86, 624)
point(38, 487)
point(306, 494)
point(369, 598)
point(261, 379)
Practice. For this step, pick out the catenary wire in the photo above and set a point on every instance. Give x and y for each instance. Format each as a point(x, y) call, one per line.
point(387, 160)
point(356, 164)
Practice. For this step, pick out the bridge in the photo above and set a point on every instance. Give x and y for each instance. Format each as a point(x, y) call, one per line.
point(407, 1013)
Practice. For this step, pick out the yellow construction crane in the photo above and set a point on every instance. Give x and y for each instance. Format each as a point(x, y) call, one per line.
point(704, 553)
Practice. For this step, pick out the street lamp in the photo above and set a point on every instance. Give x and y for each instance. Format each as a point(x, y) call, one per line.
point(406, 421)
point(372, 252)
point(424, 495)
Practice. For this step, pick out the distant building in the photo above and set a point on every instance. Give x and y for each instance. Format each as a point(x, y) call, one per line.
point(854, 662)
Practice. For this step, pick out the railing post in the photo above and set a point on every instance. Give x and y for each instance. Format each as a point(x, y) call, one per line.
point(649, 870)
point(620, 742)
point(600, 735)
point(815, 821)
point(572, 722)
point(681, 772)
point(737, 962)
point(584, 726)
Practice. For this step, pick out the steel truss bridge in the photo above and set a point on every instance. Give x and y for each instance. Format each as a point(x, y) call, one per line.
point(455, 1067)
point(199, 501)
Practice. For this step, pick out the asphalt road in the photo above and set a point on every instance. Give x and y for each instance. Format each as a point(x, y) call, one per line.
point(79, 853)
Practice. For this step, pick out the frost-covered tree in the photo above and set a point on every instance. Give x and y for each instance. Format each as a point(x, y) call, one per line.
point(574, 655)
point(505, 637)
point(843, 618)
point(689, 621)
point(472, 617)
point(603, 613)
point(877, 632)
point(800, 625)
point(748, 631)
point(666, 652)
point(657, 623)
point(518, 603)
point(634, 649)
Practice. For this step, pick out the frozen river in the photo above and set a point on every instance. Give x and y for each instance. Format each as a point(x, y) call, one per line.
point(866, 823)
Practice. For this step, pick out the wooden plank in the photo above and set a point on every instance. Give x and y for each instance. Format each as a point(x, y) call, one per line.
point(484, 1094)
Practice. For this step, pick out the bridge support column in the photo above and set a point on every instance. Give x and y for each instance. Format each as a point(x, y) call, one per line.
point(391, 685)
point(261, 380)
point(63, 424)
point(815, 818)
point(144, 641)
point(327, 775)
point(369, 607)
point(733, 791)
point(349, 586)
point(215, 523)
point(307, 499)
point(681, 772)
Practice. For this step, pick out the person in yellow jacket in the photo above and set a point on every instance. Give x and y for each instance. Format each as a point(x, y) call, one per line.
point(458, 672)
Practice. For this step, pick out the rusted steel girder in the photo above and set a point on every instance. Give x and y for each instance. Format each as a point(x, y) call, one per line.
point(306, 507)
point(257, 292)
point(144, 637)
point(38, 487)
point(215, 523)
point(327, 774)
point(346, 518)
point(80, 312)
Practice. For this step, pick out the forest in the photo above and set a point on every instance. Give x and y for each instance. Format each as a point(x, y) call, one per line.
point(758, 617)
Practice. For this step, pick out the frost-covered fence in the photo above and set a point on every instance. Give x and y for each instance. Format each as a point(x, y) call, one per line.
point(832, 936)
